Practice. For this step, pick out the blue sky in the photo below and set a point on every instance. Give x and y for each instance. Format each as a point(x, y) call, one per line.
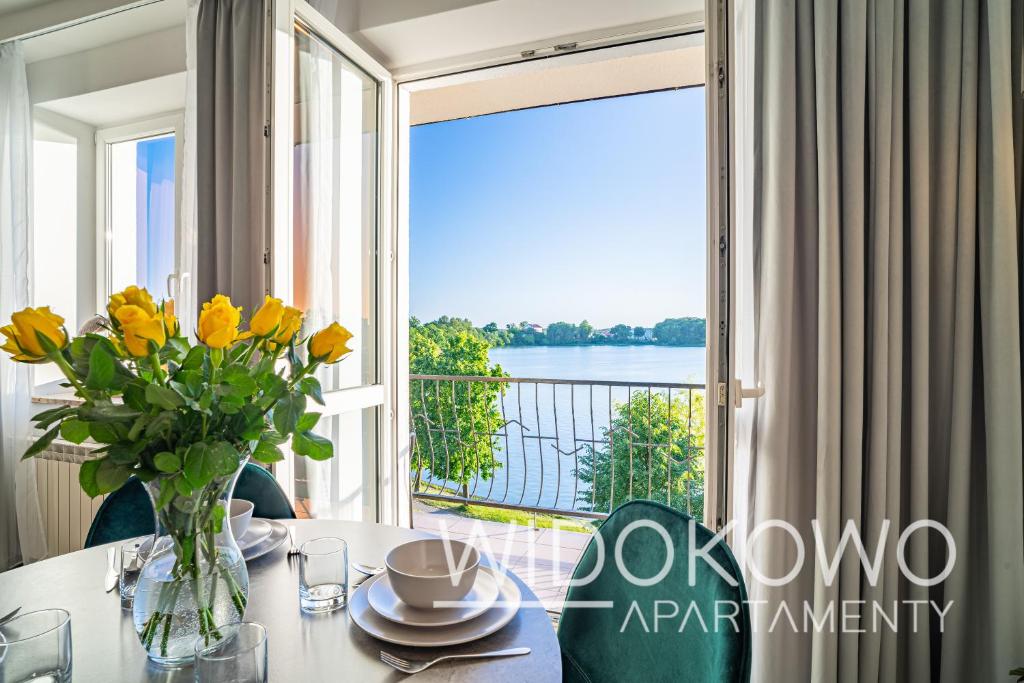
point(590, 210)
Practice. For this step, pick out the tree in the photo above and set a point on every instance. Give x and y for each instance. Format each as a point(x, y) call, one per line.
point(584, 331)
point(620, 333)
point(680, 332)
point(639, 332)
point(561, 333)
point(648, 441)
point(452, 420)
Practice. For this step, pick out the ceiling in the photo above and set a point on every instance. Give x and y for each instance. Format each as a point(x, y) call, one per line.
point(105, 30)
point(17, 5)
point(124, 103)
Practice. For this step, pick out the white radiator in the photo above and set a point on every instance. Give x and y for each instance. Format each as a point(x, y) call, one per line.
point(67, 512)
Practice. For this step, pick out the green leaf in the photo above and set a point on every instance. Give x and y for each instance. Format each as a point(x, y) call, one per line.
point(162, 424)
point(307, 422)
point(194, 358)
point(110, 476)
point(231, 405)
point(312, 446)
point(217, 518)
point(199, 469)
point(206, 400)
point(310, 386)
point(48, 417)
point(288, 411)
point(225, 457)
point(137, 427)
point(126, 454)
point(238, 377)
point(101, 368)
point(163, 397)
point(74, 430)
point(167, 492)
point(87, 477)
point(272, 384)
point(267, 453)
point(182, 486)
point(40, 445)
point(134, 395)
point(166, 461)
point(103, 432)
point(109, 412)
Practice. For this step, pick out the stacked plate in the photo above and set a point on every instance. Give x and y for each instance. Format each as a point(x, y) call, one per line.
point(491, 602)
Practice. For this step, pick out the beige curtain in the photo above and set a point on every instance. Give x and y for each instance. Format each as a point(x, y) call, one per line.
point(231, 173)
point(887, 273)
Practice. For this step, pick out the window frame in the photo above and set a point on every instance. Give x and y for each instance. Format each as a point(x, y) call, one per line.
point(173, 124)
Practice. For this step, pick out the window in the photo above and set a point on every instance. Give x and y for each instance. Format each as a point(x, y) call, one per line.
point(138, 200)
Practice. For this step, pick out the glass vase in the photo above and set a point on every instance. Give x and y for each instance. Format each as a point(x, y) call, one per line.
point(195, 580)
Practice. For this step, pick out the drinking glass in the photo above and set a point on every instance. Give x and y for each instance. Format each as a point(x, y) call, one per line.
point(36, 646)
point(323, 574)
point(133, 556)
point(240, 656)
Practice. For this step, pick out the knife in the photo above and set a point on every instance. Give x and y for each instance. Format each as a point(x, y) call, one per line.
point(110, 580)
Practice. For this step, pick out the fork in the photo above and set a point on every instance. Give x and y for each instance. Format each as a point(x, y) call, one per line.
point(292, 550)
point(406, 666)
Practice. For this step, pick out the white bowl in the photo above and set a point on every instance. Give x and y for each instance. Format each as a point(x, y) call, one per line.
point(421, 574)
point(239, 517)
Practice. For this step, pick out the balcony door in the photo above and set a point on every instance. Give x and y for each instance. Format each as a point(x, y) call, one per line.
point(330, 241)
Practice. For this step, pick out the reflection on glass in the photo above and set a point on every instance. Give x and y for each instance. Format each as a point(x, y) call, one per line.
point(335, 214)
point(141, 213)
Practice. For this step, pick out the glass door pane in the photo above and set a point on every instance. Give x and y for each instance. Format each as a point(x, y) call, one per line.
point(335, 269)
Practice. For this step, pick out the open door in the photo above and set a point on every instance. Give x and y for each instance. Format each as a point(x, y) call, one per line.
point(332, 193)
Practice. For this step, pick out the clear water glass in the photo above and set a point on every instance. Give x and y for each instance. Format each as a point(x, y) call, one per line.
point(323, 574)
point(240, 656)
point(35, 647)
point(133, 557)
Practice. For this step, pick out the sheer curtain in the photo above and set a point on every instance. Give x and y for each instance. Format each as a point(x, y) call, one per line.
point(885, 263)
point(21, 529)
point(186, 303)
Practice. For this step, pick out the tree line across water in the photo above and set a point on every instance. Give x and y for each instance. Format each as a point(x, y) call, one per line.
point(653, 448)
point(669, 332)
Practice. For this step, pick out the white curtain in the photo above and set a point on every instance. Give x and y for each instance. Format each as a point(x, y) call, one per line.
point(21, 529)
point(185, 298)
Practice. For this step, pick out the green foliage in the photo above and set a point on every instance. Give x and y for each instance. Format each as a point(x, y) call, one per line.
point(452, 423)
point(681, 332)
point(676, 439)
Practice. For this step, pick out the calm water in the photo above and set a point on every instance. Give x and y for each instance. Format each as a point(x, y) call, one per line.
point(550, 427)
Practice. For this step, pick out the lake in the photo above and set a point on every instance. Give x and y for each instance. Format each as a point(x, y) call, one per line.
point(550, 427)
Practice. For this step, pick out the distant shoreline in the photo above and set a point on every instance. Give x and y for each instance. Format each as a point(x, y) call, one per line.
point(623, 345)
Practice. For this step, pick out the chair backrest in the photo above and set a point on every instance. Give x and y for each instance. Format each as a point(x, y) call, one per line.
point(128, 511)
point(667, 631)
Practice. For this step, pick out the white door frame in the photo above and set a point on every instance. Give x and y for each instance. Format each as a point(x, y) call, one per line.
point(282, 16)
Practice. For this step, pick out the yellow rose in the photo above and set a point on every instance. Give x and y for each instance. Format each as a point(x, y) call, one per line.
point(291, 322)
point(218, 322)
point(268, 318)
point(140, 328)
point(170, 322)
point(328, 345)
point(26, 328)
point(132, 296)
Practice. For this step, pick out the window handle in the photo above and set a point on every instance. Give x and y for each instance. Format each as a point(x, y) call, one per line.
point(172, 284)
point(739, 392)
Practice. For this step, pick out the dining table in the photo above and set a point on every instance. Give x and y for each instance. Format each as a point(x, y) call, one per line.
point(301, 646)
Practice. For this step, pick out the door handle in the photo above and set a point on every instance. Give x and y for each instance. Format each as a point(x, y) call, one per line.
point(739, 392)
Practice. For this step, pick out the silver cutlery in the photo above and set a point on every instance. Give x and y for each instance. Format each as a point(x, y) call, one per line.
point(10, 615)
point(410, 667)
point(110, 580)
point(292, 550)
point(367, 569)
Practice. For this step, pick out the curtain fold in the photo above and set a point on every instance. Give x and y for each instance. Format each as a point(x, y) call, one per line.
point(231, 163)
point(22, 539)
point(886, 229)
point(186, 299)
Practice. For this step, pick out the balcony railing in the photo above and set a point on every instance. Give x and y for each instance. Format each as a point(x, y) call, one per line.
point(567, 447)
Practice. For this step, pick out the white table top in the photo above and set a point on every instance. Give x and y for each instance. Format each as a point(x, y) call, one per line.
point(302, 647)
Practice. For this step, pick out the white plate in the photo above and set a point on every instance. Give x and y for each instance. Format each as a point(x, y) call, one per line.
point(442, 636)
point(384, 602)
point(278, 534)
point(258, 531)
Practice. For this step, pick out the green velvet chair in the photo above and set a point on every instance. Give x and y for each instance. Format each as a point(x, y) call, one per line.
point(625, 642)
point(128, 511)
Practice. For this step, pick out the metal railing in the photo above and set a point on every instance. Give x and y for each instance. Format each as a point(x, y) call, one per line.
point(568, 447)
